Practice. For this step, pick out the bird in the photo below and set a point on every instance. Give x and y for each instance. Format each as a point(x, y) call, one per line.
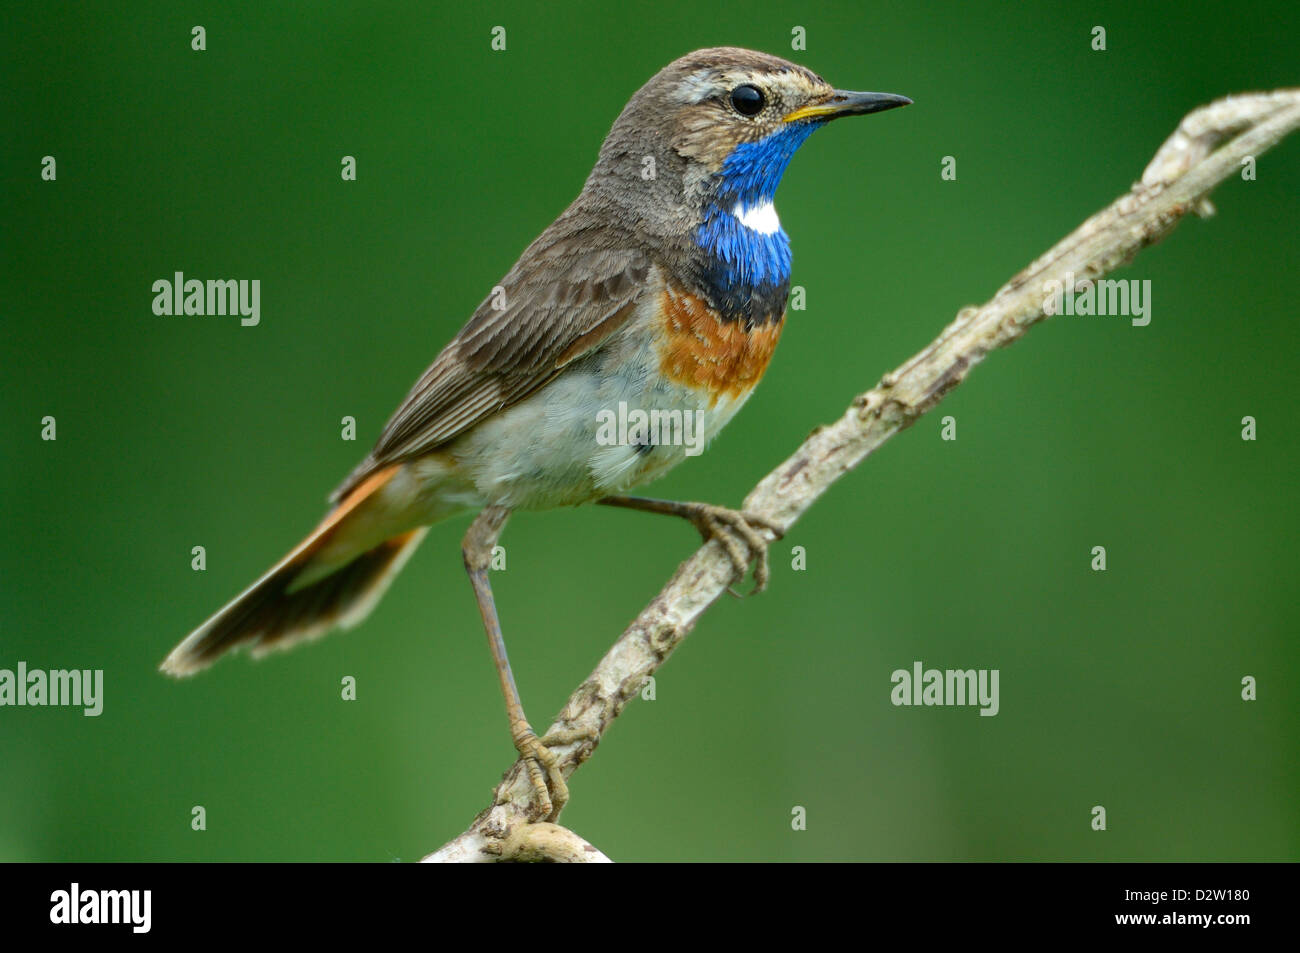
point(659, 294)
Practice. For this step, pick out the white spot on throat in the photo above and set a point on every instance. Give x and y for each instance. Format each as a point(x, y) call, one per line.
point(758, 218)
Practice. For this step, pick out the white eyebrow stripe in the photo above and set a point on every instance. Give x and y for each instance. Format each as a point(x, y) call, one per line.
point(760, 218)
point(697, 87)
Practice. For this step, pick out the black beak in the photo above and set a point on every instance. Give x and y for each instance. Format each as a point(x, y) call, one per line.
point(845, 103)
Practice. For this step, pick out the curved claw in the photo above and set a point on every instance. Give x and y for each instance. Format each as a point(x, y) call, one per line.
point(732, 528)
point(550, 788)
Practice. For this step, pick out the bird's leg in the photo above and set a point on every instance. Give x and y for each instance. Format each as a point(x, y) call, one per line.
point(738, 531)
point(477, 549)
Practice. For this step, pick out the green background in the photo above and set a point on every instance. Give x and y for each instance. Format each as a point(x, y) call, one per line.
point(1119, 689)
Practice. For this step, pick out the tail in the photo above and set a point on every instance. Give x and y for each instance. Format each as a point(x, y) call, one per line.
point(332, 578)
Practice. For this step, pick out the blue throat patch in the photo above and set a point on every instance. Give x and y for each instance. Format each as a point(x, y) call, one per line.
point(747, 273)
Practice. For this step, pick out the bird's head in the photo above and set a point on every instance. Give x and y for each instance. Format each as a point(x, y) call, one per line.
point(723, 123)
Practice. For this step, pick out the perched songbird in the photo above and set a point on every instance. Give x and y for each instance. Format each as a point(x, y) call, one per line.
point(660, 290)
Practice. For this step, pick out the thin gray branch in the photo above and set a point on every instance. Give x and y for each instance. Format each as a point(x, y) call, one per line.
point(1208, 147)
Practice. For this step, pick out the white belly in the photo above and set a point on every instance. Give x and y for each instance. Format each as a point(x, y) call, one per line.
point(582, 436)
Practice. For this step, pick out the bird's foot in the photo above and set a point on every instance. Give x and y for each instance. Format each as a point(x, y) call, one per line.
point(549, 787)
point(740, 534)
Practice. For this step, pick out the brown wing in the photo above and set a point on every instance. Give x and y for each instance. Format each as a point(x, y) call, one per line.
point(555, 305)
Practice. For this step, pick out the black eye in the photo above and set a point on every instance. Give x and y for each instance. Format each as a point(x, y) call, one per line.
point(748, 100)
